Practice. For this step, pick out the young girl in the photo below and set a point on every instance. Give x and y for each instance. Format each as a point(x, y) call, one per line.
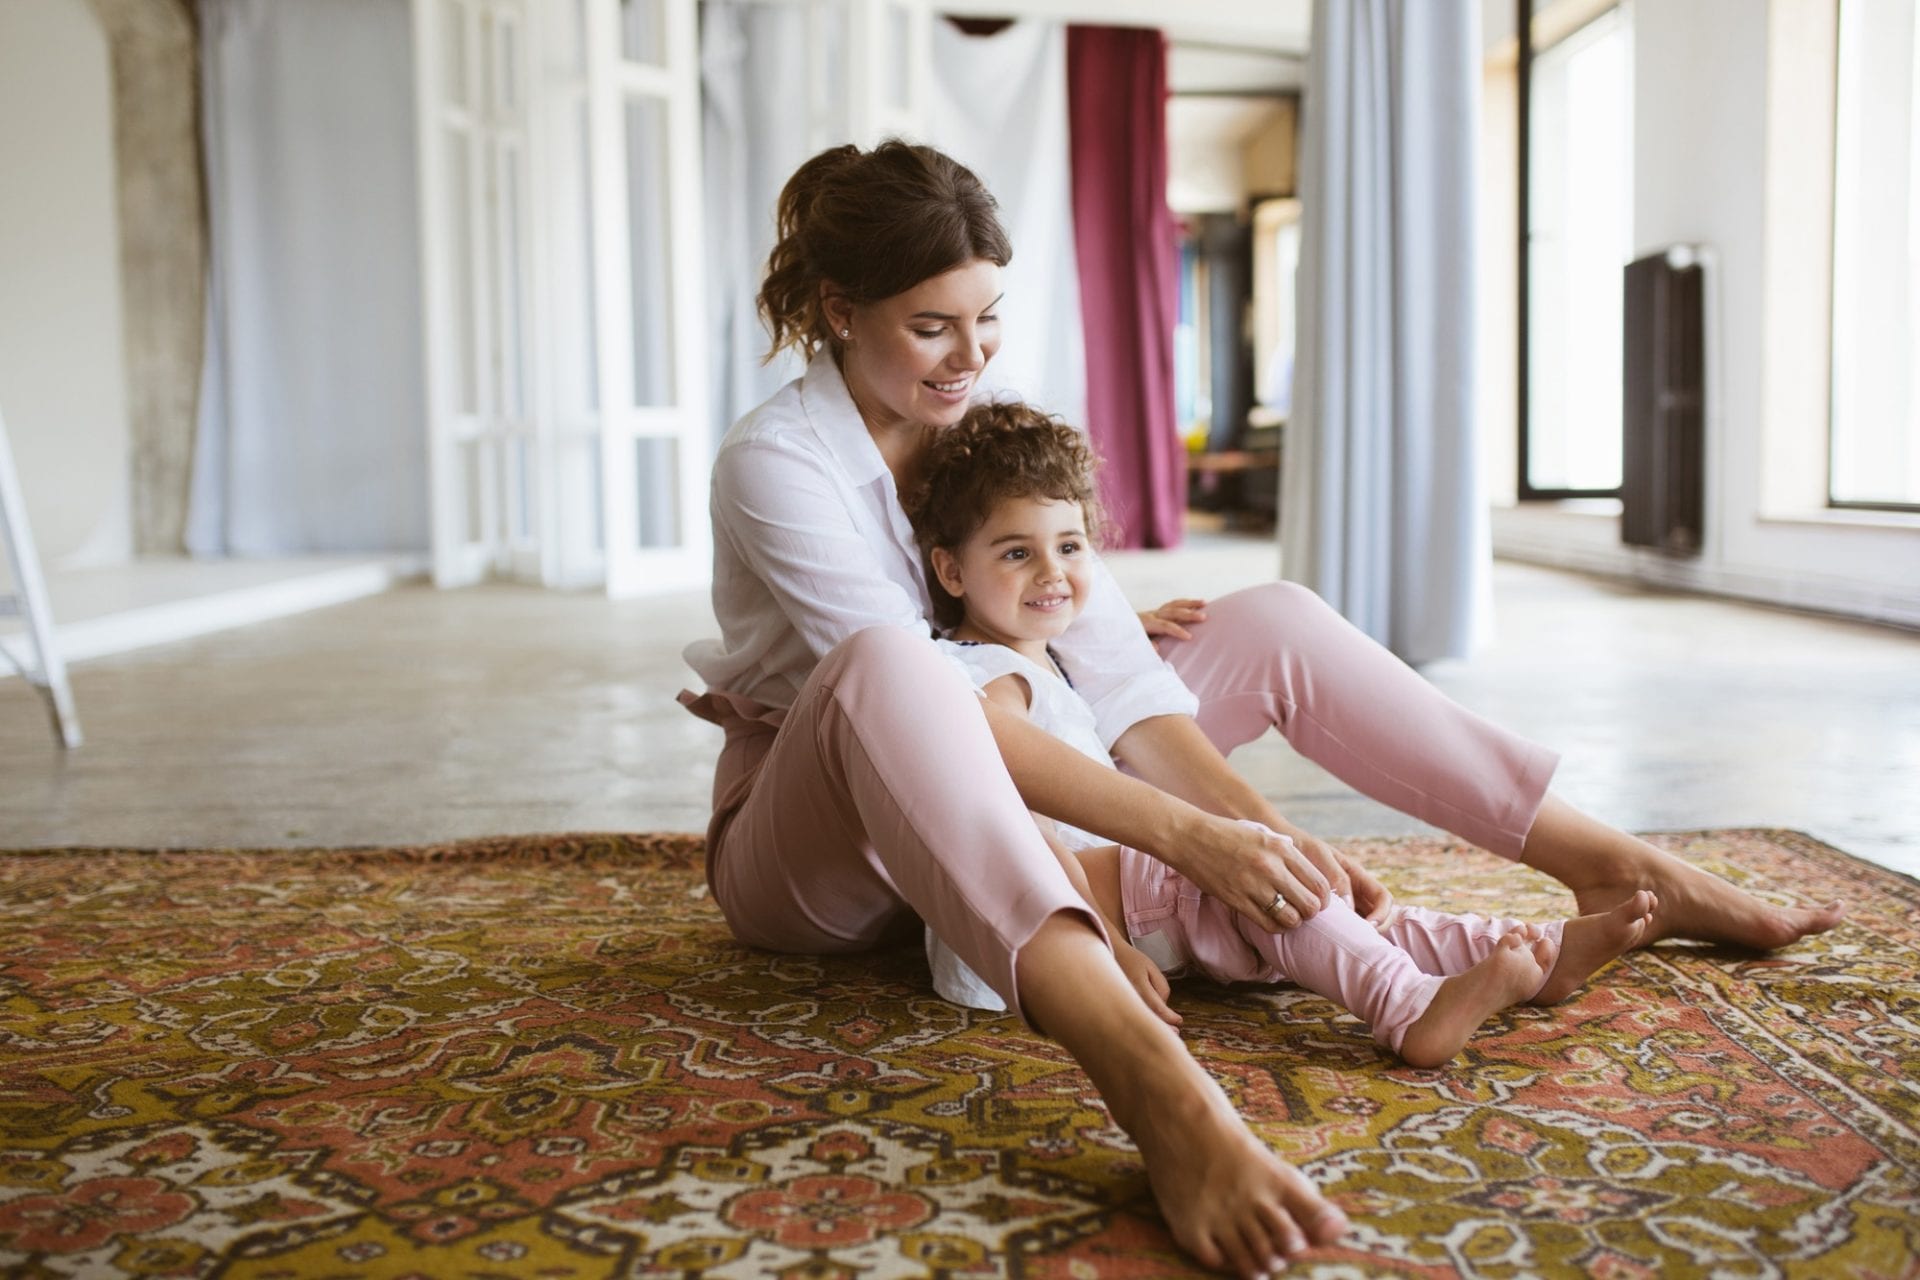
point(1004, 512)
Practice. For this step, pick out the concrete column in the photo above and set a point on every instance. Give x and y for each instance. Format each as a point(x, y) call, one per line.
point(163, 252)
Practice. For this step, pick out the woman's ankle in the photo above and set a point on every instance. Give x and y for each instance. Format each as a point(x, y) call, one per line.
point(1582, 852)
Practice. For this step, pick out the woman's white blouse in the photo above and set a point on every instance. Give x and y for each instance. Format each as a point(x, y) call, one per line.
point(810, 545)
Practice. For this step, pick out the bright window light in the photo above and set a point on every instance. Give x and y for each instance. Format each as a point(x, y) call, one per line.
point(1580, 215)
point(1875, 449)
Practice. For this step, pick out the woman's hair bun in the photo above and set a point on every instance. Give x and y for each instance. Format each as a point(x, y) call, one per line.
point(871, 224)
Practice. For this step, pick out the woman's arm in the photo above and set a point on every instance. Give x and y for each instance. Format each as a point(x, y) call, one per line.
point(1174, 754)
point(1011, 694)
point(1237, 864)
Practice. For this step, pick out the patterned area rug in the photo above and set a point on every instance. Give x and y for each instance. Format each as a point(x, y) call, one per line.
point(546, 1057)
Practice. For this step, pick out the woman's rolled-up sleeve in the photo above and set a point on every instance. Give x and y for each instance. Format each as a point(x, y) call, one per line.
point(1113, 665)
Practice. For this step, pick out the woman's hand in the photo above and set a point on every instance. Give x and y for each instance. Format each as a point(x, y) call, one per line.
point(1170, 619)
point(1147, 979)
point(1345, 876)
point(1369, 897)
point(1263, 875)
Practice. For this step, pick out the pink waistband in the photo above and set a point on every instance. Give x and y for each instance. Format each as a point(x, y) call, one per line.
point(717, 706)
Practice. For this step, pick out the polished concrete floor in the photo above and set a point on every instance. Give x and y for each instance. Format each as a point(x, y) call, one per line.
point(419, 715)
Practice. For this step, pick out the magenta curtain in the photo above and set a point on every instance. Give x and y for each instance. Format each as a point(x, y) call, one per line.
point(1128, 253)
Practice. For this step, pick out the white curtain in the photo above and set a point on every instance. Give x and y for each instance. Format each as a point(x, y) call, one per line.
point(754, 97)
point(1382, 510)
point(312, 434)
point(998, 104)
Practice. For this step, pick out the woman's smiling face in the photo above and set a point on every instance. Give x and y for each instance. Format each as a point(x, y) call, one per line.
point(913, 359)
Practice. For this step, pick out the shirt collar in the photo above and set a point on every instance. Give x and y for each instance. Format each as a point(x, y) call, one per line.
point(830, 408)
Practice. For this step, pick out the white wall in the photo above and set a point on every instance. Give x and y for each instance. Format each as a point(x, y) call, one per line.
point(62, 381)
point(1701, 156)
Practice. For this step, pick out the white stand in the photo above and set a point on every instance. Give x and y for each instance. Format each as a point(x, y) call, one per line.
point(30, 598)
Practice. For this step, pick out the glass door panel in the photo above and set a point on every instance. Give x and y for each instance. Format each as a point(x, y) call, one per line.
point(649, 235)
point(643, 32)
point(471, 95)
point(649, 308)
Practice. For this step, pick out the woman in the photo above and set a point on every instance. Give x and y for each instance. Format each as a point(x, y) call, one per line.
point(836, 818)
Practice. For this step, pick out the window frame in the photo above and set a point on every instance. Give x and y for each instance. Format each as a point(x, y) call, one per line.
point(1832, 502)
point(1525, 489)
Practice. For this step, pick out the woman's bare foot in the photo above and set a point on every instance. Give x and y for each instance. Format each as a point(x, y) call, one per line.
point(1698, 904)
point(1605, 868)
point(1588, 942)
point(1227, 1199)
point(1510, 973)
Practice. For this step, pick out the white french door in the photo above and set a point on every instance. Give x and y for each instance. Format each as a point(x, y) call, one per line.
point(560, 227)
point(473, 143)
point(644, 111)
point(889, 62)
point(561, 231)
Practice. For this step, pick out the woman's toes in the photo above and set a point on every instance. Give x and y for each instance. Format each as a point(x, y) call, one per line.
point(1205, 1251)
point(1326, 1226)
point(1260, 1251)
point(1282, 1229)
point(1233, 1253)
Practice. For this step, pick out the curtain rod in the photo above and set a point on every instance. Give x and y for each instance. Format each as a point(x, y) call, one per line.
point(1211, 46)
point(1244, 50)
point(1265, 91)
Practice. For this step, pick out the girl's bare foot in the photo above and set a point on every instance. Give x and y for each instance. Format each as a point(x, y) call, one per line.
point(1605, 867)
point(1588, 942)
point(1511, 972)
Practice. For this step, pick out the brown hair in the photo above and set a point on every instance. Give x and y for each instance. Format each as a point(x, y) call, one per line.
point(998, 451)
point(874, 223)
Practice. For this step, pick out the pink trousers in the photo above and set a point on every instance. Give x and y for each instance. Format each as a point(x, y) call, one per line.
point(1386, 977)
point(880, 796)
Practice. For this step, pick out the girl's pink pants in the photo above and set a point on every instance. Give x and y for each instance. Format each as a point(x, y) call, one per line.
point(1386, 977)
point(880, 796)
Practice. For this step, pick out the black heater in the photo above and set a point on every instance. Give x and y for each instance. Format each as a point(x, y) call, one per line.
point(1663, 436)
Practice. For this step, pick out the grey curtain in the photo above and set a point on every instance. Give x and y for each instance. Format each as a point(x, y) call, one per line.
point(312, 434)
point(1382, 510)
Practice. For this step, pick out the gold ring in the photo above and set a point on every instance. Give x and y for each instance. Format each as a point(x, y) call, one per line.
point(1278, 905)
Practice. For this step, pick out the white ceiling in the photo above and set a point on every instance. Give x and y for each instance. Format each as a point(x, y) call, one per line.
point(1281, 26)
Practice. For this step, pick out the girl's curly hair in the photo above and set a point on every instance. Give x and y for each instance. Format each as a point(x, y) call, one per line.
point(996, 452)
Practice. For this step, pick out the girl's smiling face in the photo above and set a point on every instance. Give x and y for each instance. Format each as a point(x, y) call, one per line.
point(1023, 575)
point(913, 359)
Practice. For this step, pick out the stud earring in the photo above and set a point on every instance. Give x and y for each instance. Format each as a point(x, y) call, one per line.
point(845, 334)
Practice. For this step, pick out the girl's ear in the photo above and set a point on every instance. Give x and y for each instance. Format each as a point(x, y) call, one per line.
point(947, 570)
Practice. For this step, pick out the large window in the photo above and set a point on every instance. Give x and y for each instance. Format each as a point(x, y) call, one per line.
point(1874, 456)
point(1577, 210)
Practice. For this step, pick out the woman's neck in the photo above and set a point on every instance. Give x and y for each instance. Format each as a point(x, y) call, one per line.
point(902, 443)
point(902, 447)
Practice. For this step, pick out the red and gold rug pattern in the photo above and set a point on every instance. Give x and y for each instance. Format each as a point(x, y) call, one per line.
point(546, 1057)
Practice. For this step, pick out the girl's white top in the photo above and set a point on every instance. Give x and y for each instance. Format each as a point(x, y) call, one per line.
point(810, 545)
point(1053, 705)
